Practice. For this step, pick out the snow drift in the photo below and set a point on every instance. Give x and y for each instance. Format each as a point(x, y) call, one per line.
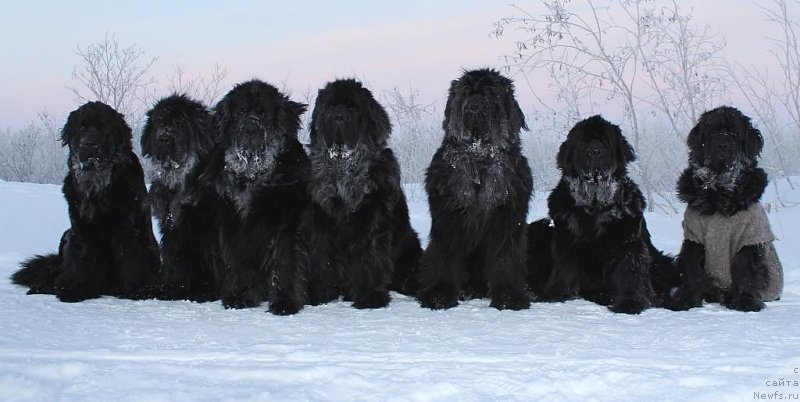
point(121, 350)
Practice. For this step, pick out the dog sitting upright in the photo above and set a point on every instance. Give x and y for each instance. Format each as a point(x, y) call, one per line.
point(727, 254)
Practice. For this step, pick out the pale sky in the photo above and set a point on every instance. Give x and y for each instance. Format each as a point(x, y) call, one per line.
point(297, 44)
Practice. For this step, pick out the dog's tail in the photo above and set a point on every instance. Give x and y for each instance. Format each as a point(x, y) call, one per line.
point(664, 273)
point(540, 256)
point(39, 273)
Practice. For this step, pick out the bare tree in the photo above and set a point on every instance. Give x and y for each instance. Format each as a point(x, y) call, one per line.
point(416, 134)
point(683, 68)
point(787, 52)
point(116, 75)
point(33, 153)
point(592, 48)
point(642, 55)
point(774, 98)
point(204, 88)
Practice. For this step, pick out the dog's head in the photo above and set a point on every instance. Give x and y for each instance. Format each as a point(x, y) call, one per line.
point(724, 139)
point(595, 148)
point(346, 116)
point(481, 106)
point(177, 130)
point(254, 123)
point(97, 137)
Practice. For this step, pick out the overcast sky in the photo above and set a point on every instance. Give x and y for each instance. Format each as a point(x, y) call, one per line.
point(299, 44)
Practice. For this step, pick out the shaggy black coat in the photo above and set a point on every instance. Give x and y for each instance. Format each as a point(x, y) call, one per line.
point(478, 186)
point(177, 141)
point(723, 177)
point(109, 248)
point(261, 172)
point(362, 241)
point(601, 249)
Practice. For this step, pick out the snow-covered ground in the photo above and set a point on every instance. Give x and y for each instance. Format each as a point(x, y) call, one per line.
point(120, 350)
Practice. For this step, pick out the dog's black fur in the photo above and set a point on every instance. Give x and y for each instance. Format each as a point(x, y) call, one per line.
point(363, 244)
point(601, 248)
point(478, 186)
point(109, 248)
point(723, 177)
point(261, 172)
point(177, 140)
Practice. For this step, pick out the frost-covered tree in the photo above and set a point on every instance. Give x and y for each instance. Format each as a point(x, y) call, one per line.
point(416, 133)
point(773, 96)
point(207, 89)
point(117, 75)
point(33, 153)
point(643, 56)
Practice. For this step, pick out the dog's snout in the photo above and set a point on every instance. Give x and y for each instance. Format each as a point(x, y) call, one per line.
point(474, 105)
point(339, 113)
point(90, 142)
point(166, 139)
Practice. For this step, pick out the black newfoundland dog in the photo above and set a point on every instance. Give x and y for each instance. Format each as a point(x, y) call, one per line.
point(727, 254)
point(261, 172)
point(109, 248)
point(362, 240)
point(478, 186)
point(177, 140)
point(601, 249)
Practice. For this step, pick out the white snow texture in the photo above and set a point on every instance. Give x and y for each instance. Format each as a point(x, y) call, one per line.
point(120, 350)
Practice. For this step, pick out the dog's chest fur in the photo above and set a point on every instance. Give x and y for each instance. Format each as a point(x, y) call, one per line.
point(91, 186)
point(168, 191)
point(340, 179)
point(479, 175)
point(601, 203)
point(243, 178)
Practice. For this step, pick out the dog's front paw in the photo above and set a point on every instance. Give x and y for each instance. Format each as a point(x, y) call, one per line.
point(239, 302)
point(284, 307)
point(682, 300)
point(511, 301)
point(439, 297)
point(746, 302)
point(375, 299)
point(629, 306)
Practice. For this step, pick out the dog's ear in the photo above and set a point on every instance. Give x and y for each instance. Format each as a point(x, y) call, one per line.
point(753, 142)
point(696, 141)
point(313, 134)
point(120, 130)
point(71, 128)
point(448, 107)
point(222, 116)
point(147, 134)
point(204, 134)
point(516, 119)
point(624, 148)
point(381, 125)
point(565, 156)
point(291, 119)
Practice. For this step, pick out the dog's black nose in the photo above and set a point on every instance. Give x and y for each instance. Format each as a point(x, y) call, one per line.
point(90, 143)
point(339, 113)
point(474, 106)
point(166, 139)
